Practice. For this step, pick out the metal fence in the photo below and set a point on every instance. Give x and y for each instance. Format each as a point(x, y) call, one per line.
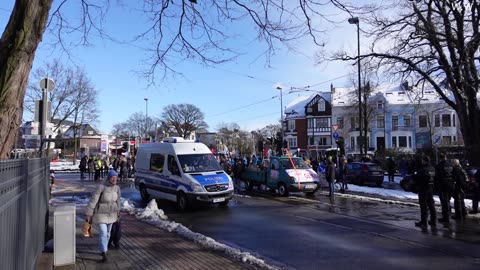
point(24, 195)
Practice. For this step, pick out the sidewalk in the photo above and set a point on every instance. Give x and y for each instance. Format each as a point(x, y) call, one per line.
point(142, 246)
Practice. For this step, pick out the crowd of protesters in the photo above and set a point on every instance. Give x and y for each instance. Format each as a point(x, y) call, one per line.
point(97, 167)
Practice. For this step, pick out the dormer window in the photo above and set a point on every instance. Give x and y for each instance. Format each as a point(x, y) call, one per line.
point(90, 132)
point(380, 104)
point(321, 105)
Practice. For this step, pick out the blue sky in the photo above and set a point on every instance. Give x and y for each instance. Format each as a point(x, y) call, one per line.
point(241, 92)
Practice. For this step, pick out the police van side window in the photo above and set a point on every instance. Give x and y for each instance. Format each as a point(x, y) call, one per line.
point(156, 162)
point(172, 165)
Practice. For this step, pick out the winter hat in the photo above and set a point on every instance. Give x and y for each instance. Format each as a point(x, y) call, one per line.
point(111, 173)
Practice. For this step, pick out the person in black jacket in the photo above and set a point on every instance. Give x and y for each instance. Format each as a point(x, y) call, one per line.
point(330, 177)
point(460, 181)
point(444, 180)
point(476, 193)
point(424, 179)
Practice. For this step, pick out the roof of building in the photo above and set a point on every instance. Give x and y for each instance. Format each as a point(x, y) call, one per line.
point(296, 107)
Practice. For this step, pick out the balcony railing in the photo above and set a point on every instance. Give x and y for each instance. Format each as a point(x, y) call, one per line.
point(319, 130)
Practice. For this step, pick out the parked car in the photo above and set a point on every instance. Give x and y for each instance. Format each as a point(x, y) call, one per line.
point(361, 173)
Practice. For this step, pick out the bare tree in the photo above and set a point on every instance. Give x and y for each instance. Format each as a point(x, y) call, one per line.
point(69, 82)
point(434, 43)
point(178, 28)
point(184, 118)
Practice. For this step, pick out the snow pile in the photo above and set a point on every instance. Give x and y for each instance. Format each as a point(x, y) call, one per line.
point(127, 206)
point(64, 165)
point(157, 217)
point(151, 213)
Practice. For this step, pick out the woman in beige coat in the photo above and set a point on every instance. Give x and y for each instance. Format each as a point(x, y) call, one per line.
point(103, 210)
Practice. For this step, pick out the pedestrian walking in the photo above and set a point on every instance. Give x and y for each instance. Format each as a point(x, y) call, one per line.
point(330, 177)
point(91, 168)
point(424, 179)
point(476, 193)
point(403, 167)
point(391, 169)
point(103, 209)
point(83, 167)
point(342, 170)
point(444, 181)
point(460, 181)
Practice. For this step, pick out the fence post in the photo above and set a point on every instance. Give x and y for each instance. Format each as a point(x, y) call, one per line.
point(23, 222)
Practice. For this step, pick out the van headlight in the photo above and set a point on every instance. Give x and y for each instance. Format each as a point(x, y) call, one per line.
point(196, 187)
point(230, 183)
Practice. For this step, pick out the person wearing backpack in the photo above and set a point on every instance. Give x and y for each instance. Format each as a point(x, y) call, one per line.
point(444, 181)
point(460, 180)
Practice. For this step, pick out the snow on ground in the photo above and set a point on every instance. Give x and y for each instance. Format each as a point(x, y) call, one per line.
point(156, 217)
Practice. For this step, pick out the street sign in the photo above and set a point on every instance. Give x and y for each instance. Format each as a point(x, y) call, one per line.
point(335, 128)
point(335, 135)
point(31, 137)
point(47, 84)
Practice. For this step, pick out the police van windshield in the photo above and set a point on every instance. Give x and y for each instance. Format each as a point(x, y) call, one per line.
point(299, 163)
point(199, 163)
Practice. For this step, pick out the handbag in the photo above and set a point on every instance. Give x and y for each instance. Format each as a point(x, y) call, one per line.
point(87, 226)
point(87, 229)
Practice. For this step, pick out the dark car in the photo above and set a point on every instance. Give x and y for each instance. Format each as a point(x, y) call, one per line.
point(361, 173)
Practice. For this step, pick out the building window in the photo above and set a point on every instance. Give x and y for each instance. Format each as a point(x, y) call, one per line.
point(407, 120)
point(291, 124)
point(394, 122)
point(422, 121)
point(394, 142)
point(353, 123)
point(380, 104)
point(322, 141)
point(446, 120)
point(292, 142)
point(410, 141)
point(340, 122)
point(402, 141)
point(446, 140)
point(310, 123)
point(453, 119)
point(352, 142)
point(90, 132)
point(322, 122)
point(380, 121)
point(437, 120)
point(321, 105)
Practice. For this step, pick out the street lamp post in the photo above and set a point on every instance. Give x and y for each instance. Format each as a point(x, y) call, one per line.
point(281, 113)
point(354, 20)
point(146, 118)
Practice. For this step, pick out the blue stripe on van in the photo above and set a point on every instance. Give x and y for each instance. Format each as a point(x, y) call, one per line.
point(206, 180)
point(158, 179)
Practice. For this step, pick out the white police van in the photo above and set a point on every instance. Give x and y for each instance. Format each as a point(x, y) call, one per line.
point(183, 171)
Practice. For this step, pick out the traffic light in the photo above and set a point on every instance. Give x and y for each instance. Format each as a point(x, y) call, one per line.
point(341, 144)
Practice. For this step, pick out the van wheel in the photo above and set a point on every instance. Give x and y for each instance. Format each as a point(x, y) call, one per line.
point(248, 185)
point(144, 193)
point(282, 190)
point(182, 202)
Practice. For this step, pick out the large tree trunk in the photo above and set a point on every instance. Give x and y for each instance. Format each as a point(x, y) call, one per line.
point(469, 117)
point(17, 50)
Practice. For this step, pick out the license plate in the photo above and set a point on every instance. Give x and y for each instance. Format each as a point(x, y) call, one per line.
point(310, 186)
point(218, 200)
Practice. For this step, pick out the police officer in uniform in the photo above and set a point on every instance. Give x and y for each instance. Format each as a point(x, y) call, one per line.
point(444, 181)
point(424, 179)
